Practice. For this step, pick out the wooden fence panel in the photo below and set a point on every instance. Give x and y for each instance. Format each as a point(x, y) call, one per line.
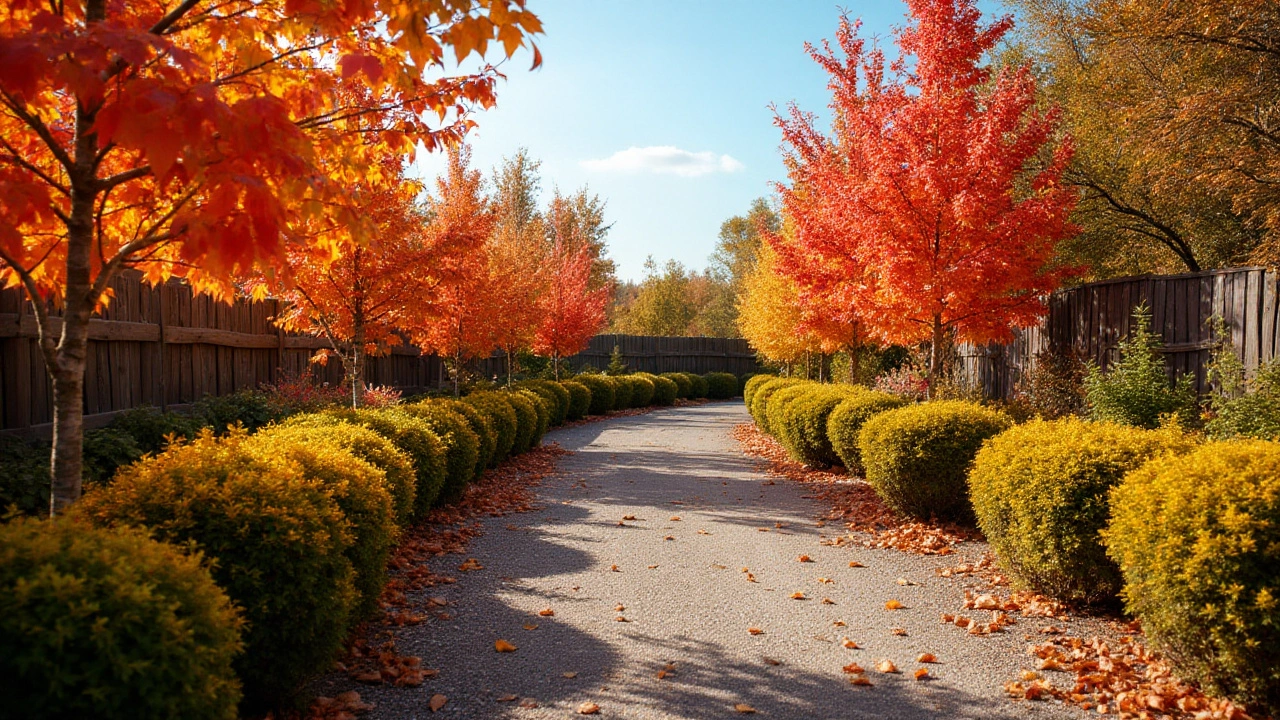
point(1091, 319)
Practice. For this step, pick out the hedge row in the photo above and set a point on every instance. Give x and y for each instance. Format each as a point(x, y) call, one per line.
point(1186, 533)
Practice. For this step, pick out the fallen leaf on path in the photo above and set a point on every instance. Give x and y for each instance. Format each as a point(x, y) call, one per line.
point(530, 626)
point(859, 680)
point(703, 532)
point(755, 631)
point(437, 701)
point(529, 704)
point(902, 632)
point(628, 517)
point(508, 698)
point(927, 658)
point(805, 558)
point(828, 601)
point(588, 708)
point(668, 538)
point(621, 619)
point(653, 567)
point(751, 577)
point(470, 564)
point(619, 607)
point(614, 568)
point(770, 661)
point(853, 668)
point(569, 675)
point(886, 666)
point(849, 644)
point(986, 602)
point(436, 602)
point(373, 677)
point(893, 605)
point(546, 612)
point(838, 623)
point(675, 518)
point(856, 564)
point(504, 646)
point(744, 708)
point(826, 581)
point(662, 674)
point(920, 673)
point(905, 582)
point(798, 596)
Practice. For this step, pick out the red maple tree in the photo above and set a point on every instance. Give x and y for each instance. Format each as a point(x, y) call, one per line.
point(571, 312)
point(933, 210)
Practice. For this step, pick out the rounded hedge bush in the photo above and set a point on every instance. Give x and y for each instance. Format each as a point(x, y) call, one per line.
point(721, 385)
point(526, 420)
point(760, 400)
point(642, 390)
point(544, 407)
point(1197, 539)
point(579, 399)
point(751, 384)
point(779, 405)
point(481, 426)
point(846, 420)
point(743, 379)
point(108, 623)
point(917, 457)
point(622, 392)
point(802, 428)
point(415, 437)
point(700, 386)
point(1039, 492)
point(553, 392)
point(602, 393)
point(684, 386)
point(151, 428)
point(360, 490)
point(396, 467)
point(461, 445)
point(502, 417)
point(278, 540)
point(665, 390)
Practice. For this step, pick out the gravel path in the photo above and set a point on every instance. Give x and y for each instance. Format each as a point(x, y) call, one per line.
point(687, 602)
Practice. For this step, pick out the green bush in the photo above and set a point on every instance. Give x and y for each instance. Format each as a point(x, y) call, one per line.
point(501, 416)
point(1197, 539)
point(622, 391)
point(396, 465)
point(249, 408)
point(579, 399)
point(150, 428)
point(105, 450)
point(1135, 390)
point(802, 426)
point(665, 390)
point(24, 477)
point(701, 388)
point(526, 421)
point(684, 386)
point(760, 400)
point(555, 393)
point(278, 541)
point(721, 385)
point(846, 421)
point(1253, 410)
point(461, 445)
point(779, 408)
point(602, 392)
point(1039, 492)
point(481, 425)
point(98, 623)
point(917, 457)
point(360, 490)
point(642, 390)
point(544, 407)
point(751, 384)
point(415, 438)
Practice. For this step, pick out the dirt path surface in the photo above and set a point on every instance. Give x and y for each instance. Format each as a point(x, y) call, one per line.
point(688, 604)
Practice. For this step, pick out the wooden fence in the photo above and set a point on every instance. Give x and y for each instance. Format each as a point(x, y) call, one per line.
point(167, 346)
point(644, 353)
point(1090, 320)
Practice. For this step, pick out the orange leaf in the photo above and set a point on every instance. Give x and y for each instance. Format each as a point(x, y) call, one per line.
point(588, 708)
point(546, 612)
point(921, 673)
point(798, 596)
point(805, 558)
point(437, 701)
point(893, 605)
point(744, 708)
point(504, 646)
point(853, 669)
point(755, 631)
point(927, 658)
point(859, 680)
point(855, 564)
point(847, 643)
point(886, 666)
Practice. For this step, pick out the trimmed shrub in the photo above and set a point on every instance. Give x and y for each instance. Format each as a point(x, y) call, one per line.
point(642, 390)
point(413, 436)
point(1039, 492)
point(760, 400)
point(700, 386)
point(526, 420)
point(544, 407)
point(579, 399)
point(917, 457)
point(481, 426)
point(150, 428)
point(1197, 539)
point(278, 541)
point(684, 386)
point(751, 384)
point(248, 408)
point(602, 393)
point(1135, 390)
point(501, 417)
point(846, 421)
point(461, 445)
point(622, 392)
point(779, 408)
point(665, 390)
point(360, 489)
point(721, 385)
point(105, 450)
point(369, 446)
point(742, 382)
point(554, 392)
point(803, 427)
point(102, 623)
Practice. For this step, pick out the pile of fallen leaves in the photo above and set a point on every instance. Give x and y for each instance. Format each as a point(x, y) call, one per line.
point(855, 503)
point(1125, 679)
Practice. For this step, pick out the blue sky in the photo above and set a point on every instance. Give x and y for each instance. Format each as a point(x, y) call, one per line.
point(661, 107)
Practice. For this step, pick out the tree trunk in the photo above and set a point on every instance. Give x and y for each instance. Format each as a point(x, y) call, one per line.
point(457, 373)
point(508, 367)
point(935, 355)
point(555, 364)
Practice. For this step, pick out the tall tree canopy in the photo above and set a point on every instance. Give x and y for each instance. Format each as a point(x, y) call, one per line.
point(935, 207)
point(571, 310)
point(200, 138)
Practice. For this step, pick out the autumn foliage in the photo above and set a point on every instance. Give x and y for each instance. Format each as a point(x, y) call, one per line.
point(933, 209)
point(571, 311)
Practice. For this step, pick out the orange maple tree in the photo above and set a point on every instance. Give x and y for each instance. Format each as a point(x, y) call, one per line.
point(933, 210)
point(194, 137)
point(571, 311)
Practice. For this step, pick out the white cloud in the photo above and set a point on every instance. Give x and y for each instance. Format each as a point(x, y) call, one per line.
point(664, 160)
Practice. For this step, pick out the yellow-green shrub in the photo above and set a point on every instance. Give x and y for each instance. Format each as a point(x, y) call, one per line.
point(1039, 492)
point(544, 407)
point(622, 391)
point(752, 384)
point(802, 426)
point(846, 421)
point(413, 436)
point(396, 466)
point(526, 420)
point(779, 404)
point(278, 541)
point(602, 392)
point(684, 386)
point(461, 445)
point(481, 426)
point(721, 385)
point(760, 400)
point(917, 457)
point(555, 393)
point(501, 416)
point(642, 390)
point(108, 623)
point(360, 489)
point(579, 399)
point(1197, 539)
point(699, 385)
point(665, 390)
